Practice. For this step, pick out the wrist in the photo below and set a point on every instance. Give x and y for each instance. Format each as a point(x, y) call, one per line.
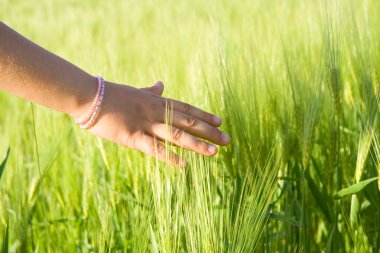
point(83, 96)
point(85, 121)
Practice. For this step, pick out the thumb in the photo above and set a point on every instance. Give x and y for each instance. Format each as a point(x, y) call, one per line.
point(157, 88)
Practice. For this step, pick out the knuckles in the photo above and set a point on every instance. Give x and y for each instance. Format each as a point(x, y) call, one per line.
point(177, 134)
point(187, 108)
point(191, 122)
point(155, 147)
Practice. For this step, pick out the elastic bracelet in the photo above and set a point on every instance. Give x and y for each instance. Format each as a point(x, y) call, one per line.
point(89, 118)
point(85, 118)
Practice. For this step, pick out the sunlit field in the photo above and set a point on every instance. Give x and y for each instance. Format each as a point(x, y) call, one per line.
point(296, 83)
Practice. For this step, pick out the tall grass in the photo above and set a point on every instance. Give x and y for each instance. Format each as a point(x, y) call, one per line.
point(296, 83)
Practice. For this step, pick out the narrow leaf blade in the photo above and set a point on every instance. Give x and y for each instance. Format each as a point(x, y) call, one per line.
point(283, 218)
point(4, 248)
point(2, 165)
point(153, 240)
point(354, 211)
point(353, 189)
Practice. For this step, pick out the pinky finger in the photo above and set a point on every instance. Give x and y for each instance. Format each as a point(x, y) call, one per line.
point(153, 147)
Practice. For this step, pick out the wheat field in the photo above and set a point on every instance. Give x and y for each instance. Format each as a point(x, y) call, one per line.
point(296, 83)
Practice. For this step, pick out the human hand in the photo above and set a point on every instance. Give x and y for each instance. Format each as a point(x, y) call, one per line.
point(135, 118)
point(128, 116)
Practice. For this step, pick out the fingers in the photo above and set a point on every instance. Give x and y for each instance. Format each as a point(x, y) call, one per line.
point(185, 108)
point(193, 111)
point(199, 128)
point(181, 138)
point(157, 88)
point(151, 146)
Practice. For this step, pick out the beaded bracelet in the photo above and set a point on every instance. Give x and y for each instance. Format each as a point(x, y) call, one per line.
point(83, 119)
point(89, 118)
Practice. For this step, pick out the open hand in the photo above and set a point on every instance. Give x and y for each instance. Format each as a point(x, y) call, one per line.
point(135, 118)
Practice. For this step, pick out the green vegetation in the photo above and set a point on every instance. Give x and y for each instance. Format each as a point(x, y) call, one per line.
point(297, 84)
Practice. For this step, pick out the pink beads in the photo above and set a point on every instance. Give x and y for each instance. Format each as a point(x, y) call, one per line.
point(89, 118)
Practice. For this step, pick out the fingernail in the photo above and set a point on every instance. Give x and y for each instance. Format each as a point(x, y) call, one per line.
point(217, 120)
point(225, 138)
point(212, 149)
point(158, 84)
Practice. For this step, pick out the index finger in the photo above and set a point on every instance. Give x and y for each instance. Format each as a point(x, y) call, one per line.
point(193, 111)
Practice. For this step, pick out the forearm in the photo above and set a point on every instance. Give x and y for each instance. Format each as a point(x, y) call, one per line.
point(35, 74)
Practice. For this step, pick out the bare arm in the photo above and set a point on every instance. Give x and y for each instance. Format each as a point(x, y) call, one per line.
point(35, 74)
point(129, 116)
